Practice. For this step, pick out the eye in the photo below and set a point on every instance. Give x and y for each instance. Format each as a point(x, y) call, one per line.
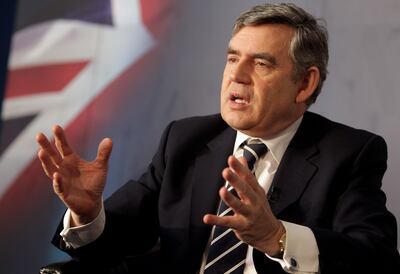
point(262, 66)
point(232, 59)
point(260, 63)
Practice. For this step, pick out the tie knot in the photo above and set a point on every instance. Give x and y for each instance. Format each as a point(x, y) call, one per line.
point(253, 151)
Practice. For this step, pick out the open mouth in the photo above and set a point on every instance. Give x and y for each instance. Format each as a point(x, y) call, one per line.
point(238, 99)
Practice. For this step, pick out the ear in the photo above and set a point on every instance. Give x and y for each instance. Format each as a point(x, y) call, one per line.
point(308, 85)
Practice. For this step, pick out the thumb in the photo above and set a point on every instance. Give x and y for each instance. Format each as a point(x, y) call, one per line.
point(243, 161)
point(104, 150)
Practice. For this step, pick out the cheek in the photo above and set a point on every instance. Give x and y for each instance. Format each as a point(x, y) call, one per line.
point(263, 93)
point(225, 82)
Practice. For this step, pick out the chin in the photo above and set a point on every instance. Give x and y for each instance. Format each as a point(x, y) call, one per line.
point(235, 121)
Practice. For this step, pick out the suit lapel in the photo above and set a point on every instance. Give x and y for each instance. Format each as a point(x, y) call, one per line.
point(207, 180)
point(293, 175)
point(296, 168)
point(207, 175)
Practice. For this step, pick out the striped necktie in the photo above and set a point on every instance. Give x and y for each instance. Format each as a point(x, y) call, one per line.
point(227, 254)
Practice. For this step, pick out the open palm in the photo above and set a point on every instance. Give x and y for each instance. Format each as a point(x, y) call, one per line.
point(78, 183)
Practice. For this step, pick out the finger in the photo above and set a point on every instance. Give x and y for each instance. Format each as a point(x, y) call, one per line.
point(61, 141)
point(233, 202)
point(244, 191)
point(104, 150)
point(47, 164)
point(239, 166)
point(47, 147)
point(226, 221)
point(58, 184)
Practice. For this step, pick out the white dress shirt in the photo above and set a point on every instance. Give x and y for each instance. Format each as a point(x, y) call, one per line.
point(301, 250)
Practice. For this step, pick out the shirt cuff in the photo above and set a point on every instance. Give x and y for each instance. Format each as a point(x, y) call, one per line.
point(301, 250)
point(75, 237)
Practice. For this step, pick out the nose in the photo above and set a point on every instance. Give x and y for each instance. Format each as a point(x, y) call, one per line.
point(239, 73)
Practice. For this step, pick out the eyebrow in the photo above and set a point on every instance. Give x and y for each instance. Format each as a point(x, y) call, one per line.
point(261, 55)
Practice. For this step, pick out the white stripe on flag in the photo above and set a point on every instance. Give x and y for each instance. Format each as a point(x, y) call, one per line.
point(120, 47)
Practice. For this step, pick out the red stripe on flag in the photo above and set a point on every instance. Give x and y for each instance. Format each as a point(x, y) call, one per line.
point(29, 206)
point(32, 187)
point(42, 78)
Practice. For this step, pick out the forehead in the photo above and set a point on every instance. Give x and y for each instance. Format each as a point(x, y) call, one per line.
point(271, 38)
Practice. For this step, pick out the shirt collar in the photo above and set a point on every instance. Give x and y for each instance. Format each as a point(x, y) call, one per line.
point(277, 145)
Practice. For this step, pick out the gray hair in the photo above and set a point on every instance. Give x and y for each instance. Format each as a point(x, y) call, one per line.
point(309, 45)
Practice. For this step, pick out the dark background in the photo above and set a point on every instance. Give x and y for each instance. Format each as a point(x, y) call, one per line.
point(7, 14)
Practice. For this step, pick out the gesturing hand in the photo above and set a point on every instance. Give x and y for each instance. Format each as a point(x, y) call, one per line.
point(78, 183)
point(253, 221)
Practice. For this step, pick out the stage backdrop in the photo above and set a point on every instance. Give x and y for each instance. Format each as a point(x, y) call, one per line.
point(125, 68)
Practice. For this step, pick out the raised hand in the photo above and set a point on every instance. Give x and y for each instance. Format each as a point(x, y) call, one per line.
point(78, 183)
point(253, 221)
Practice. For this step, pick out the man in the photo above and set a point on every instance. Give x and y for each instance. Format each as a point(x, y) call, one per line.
point(312, 203)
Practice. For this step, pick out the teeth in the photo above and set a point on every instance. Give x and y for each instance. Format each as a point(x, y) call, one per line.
point(240, 101)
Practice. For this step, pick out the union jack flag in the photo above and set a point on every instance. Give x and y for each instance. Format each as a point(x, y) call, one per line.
point(73, 63)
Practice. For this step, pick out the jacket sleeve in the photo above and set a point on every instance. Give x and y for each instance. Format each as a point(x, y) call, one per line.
point(363, 237)
point(354, 231)
point(131, 226)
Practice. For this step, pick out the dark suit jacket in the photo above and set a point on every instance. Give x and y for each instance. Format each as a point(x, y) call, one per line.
point(329, 179)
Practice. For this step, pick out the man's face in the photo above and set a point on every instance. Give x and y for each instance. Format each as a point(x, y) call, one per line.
point(258, 93)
